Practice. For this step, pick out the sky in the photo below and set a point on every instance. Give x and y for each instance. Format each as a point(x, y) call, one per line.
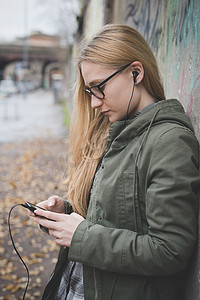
point(15, 23)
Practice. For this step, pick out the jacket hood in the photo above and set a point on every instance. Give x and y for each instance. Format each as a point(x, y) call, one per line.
point(165, 111)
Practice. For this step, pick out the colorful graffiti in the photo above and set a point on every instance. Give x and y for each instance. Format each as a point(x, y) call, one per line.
point(144, 16)
point(172, 28)
point(184, 19)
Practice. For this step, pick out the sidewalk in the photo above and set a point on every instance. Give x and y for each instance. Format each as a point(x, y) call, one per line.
point(30, 117)
point(32, 168)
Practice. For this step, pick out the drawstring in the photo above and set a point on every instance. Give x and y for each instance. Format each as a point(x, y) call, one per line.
point(113, 284)
point(136, 159)
point(145, 136)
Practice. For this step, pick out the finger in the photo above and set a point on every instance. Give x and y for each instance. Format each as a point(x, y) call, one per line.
point(31, 214)
point(46, 223)
point(51, 232)
point(56, 204)
point(43, 204)
point(48, 214)
point(62, 242)
point(52, 201)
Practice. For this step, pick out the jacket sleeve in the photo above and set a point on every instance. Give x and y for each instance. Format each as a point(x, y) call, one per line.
point(68, 207)
point(171, 214)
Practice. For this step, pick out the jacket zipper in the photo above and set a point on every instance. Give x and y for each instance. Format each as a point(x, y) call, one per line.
point(95, 285)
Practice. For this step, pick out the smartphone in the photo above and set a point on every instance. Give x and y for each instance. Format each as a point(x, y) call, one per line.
point(32, 207)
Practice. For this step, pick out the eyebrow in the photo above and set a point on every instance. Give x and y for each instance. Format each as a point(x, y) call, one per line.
point(95, 82)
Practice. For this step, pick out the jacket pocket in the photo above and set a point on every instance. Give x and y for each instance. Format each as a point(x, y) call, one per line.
point(129, 205)
point(159, 288)
point(129, 201)
point(126, 210)
point(128, 287)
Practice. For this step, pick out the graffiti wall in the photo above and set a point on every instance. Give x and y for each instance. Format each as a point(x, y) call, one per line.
point(172, 28)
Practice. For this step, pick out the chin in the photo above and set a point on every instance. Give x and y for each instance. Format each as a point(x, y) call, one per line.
point(112, 120)
point(116, 117)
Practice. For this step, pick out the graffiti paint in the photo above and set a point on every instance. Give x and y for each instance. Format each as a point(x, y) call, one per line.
point(172, 29)
point(186, 31)
point(144, 16)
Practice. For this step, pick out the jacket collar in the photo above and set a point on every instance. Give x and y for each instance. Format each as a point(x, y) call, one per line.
point(163, 111)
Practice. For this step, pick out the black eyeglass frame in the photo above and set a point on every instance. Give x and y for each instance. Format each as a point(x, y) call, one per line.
point(89, 91)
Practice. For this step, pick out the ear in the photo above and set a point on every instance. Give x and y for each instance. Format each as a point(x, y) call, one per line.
point(137, 66)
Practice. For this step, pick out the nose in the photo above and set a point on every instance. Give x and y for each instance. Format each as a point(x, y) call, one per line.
point(95, 102)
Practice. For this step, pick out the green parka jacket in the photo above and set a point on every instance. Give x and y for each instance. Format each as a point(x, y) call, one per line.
point(141, 224)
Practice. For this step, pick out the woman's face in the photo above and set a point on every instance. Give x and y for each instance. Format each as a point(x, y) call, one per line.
point(117, 90)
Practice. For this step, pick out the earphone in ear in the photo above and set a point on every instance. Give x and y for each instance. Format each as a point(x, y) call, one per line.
point(135, 74)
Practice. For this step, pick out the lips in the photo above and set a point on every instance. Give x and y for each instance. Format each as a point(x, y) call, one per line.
point(105, 112)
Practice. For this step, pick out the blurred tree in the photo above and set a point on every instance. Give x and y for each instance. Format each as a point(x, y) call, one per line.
point(63, 13)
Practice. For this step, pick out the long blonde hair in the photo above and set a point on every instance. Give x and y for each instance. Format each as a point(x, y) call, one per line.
point(114, 46)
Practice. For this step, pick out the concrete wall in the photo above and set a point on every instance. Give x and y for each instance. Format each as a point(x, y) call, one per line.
point(172, 28)
point(94, 17)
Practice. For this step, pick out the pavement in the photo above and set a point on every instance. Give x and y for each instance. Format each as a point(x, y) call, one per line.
point(30, 116)
point(33, 153)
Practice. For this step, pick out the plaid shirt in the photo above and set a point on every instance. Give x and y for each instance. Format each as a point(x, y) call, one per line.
point(71, 284)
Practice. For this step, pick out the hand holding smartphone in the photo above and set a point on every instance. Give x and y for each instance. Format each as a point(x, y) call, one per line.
point(32, 207)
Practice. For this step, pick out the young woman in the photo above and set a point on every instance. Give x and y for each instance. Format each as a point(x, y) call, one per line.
point(130, 223)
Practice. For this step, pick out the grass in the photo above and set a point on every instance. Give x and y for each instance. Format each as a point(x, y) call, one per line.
point(66, 114)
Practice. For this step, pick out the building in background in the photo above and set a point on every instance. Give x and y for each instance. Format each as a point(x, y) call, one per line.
point(30, 62)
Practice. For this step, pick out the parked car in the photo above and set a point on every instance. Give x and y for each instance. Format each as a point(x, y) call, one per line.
point(8, 87)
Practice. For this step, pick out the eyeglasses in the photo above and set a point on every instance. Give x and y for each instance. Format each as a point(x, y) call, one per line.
point(96, 90)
